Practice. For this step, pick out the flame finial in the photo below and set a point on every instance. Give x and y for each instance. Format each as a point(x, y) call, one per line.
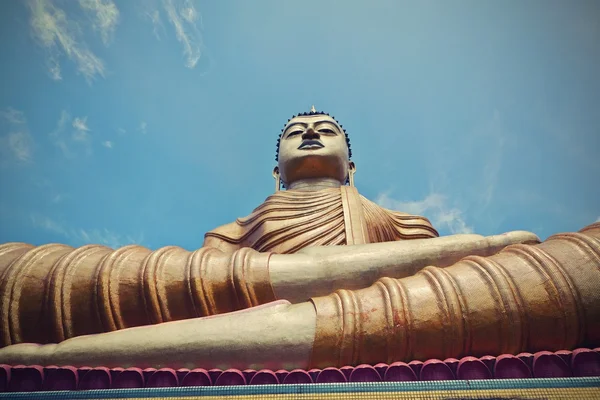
point(312, 109)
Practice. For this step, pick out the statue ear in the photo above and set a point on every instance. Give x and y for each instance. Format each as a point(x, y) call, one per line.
point(351, 171)
point(277, 179)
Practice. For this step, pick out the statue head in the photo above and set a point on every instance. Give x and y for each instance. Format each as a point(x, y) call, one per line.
point(313, 145)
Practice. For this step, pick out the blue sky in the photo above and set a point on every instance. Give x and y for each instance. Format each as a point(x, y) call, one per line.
point(153, 122)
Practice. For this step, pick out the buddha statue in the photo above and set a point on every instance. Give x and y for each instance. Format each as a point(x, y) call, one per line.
point(315, 276)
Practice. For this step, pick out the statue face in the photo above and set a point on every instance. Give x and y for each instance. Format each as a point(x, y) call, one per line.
point(313, 146)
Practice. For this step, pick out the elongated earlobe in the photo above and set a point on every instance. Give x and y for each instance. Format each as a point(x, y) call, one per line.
point(277, 178)
point(351, 171)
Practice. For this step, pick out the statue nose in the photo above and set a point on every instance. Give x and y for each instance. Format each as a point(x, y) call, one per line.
point(310, 133)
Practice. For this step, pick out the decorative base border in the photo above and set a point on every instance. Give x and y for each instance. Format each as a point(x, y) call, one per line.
point(550, 388)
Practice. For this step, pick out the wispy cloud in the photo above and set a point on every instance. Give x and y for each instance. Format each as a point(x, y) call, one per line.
point(17, 142)
point(20, 145)
point(468, 178)
point(157, 24)
point(14, 117)
point(183, 17)
point(62, 36)
point(108, 144)
point(143, 126)
point(58, 134)
point(80, 133)
point(47, 187)
point(435, 206)
point(80, 237)
point(495, 136)
point(67, 140)
point(187, 23)
point(106, 237)
point(105, 16)
point(47, 224)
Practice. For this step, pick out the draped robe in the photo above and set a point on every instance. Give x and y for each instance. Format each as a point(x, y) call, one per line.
point(288, 221)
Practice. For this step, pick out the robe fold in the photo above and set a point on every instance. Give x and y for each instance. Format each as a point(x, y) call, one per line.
point(288, 221)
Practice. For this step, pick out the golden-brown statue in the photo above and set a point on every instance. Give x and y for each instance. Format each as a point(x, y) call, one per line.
point(316, 276)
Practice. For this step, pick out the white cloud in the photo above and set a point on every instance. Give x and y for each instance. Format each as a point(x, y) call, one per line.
point(47, 187)
point(17, 143)
point(183, 18)
point(157, 25)
point(104, 14)
point(189, 13)
point(108, 144)
point(121, 131)
point(143, 126)
point(469, 178)
point(435, 207)
point(494, 135)
point(78, 139)
point(13, 116)
point(61, 36)
point(80, 124)
point(47, 224)
point(80, 237)
point(20, 145)
point(598, 219)
point(53, 68)
point(105, 237)
point(186, 21)
point(58, 134)
point(80, 133)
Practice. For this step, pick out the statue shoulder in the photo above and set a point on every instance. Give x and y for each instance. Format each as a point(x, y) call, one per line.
point(400, 225)
point(234, 235)
point(223, 238)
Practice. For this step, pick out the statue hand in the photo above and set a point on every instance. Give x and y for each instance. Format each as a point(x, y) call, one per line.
point(513, 237)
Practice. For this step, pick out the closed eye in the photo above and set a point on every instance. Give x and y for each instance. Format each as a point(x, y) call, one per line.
point(327, 130)
point(294, 133)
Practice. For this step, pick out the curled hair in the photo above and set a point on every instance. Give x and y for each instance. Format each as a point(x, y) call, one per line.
point(307, 114)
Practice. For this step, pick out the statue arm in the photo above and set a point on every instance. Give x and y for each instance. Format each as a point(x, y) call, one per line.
point(94, 289)
point(318, 271)
point(525, 298)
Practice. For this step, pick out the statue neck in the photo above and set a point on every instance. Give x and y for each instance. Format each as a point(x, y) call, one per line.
point(312, 184)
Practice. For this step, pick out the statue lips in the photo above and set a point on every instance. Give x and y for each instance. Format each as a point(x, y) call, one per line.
point(311, 144)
